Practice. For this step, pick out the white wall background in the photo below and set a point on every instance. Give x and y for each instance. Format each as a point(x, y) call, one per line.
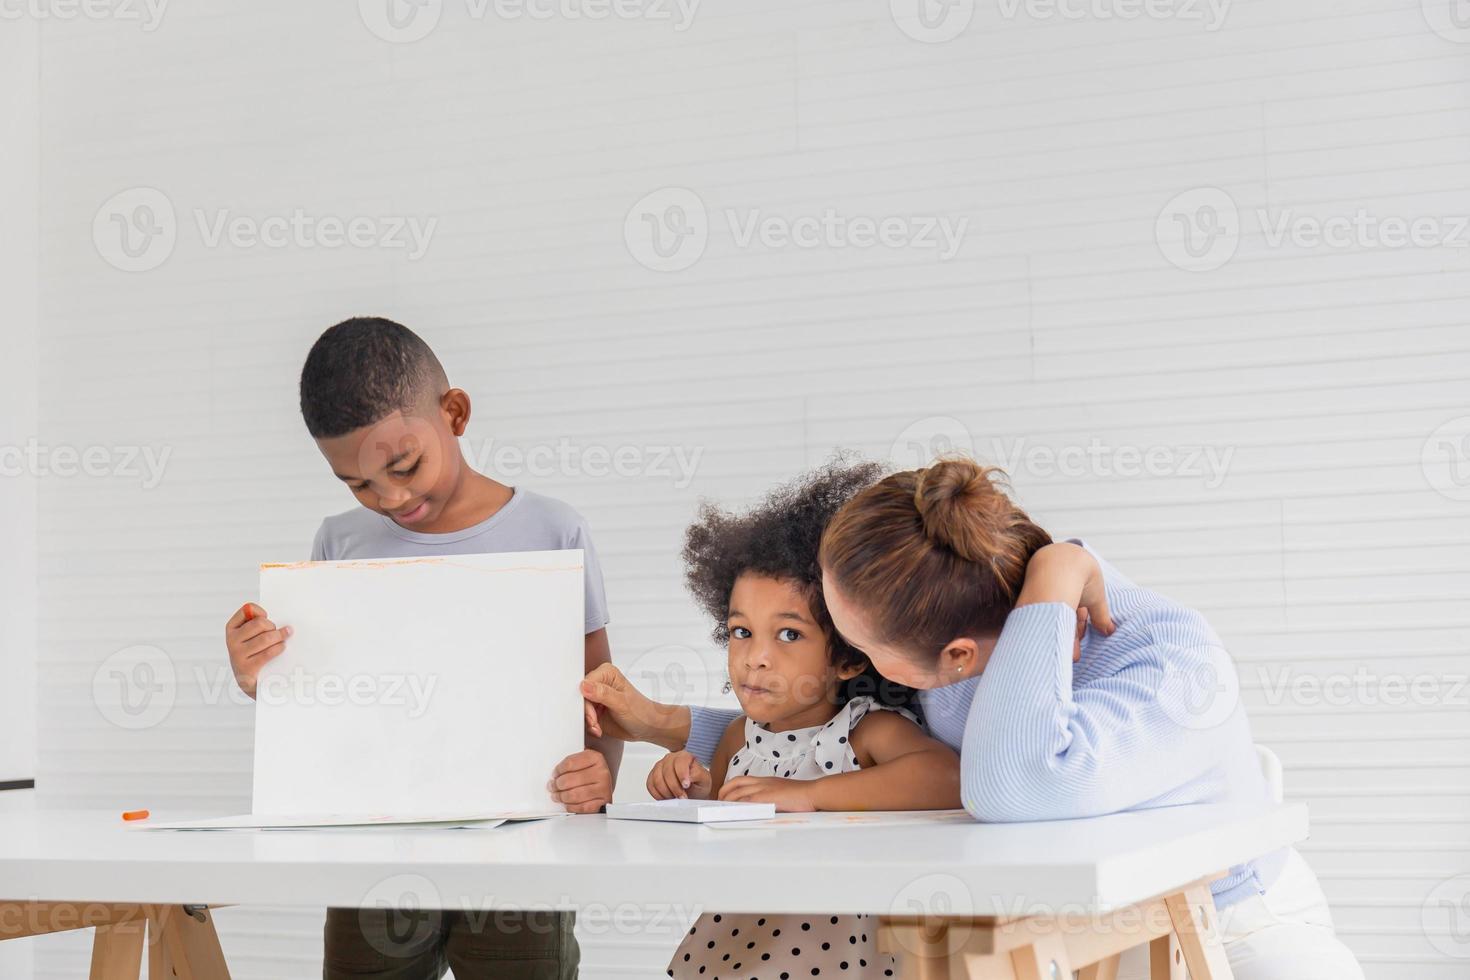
point(20, 133)
point(19, 393)
point(1331, 545)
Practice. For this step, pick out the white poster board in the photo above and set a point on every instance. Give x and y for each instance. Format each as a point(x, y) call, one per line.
point(419, 688)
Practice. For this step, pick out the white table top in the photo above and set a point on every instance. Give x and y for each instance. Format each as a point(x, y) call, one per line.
point(584, 862)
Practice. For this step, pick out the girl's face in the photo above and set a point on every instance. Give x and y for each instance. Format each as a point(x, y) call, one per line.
point(780, 664)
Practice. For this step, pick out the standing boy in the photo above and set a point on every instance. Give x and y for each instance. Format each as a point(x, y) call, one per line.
point(379, 405)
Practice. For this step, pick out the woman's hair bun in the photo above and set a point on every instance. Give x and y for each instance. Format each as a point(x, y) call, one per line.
point(932, 554)
point(963, 508)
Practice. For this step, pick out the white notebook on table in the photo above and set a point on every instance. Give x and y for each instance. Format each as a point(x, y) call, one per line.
point(691, 811)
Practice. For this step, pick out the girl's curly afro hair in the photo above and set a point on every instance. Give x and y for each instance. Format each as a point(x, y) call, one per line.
point(780, 539)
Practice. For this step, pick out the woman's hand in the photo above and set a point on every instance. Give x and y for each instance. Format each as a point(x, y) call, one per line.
point(615, 708)
point(1065, 573)
point(789, 795)
point(679, 776)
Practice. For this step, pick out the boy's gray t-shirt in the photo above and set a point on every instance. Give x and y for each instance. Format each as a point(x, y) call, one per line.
point(527, 522)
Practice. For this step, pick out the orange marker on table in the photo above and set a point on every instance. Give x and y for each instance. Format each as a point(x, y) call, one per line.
point(135, 815)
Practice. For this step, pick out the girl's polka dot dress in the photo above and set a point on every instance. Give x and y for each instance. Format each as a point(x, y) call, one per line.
point(789, 947)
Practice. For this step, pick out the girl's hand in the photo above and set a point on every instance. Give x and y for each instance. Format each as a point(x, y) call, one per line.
point(1065, 573)
point(582, 782)
point(679, 776)
point(614, 707)
point(251, 640)
point(789, 795)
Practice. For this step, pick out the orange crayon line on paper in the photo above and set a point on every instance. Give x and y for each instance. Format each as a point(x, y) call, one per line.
point(367, 563)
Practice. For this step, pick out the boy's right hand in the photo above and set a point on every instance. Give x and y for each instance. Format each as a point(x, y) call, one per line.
point(252, 642)
point(679, 775)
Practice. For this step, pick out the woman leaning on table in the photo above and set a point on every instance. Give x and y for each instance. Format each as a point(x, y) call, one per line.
point(1065, 687)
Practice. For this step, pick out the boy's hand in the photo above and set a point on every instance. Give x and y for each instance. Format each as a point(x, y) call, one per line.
point(582, 783)
point(789, 795)
point(679, 776)
point(252, 642)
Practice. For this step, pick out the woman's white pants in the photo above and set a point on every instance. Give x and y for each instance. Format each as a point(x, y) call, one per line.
point(1285, 934)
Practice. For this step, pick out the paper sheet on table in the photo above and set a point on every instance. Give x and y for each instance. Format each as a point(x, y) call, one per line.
point(839, 819)
point(249, 821)
point(417, 687)
point(338, 821)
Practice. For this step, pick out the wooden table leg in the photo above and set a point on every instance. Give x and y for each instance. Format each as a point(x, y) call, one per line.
point(19, 919)
point(159, 965)
point(1180, 930)
point(1193, 915)
point(184, 944)
point(117, 944)
point(1101, 970)
point(1164, 961)
point(117, 951)
point(922, 948)
point(1045, 959)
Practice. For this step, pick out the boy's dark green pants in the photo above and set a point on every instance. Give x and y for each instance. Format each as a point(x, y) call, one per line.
point(390, 944)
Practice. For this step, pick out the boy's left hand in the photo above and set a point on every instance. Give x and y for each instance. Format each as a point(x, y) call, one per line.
point(582, 782)
point(789, 795)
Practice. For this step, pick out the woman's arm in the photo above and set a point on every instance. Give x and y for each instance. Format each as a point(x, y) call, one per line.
point(615, 708)
point(704, 739)
point(1035, 749)
point(903, 769)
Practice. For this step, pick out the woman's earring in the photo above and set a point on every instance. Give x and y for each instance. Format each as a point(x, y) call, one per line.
point(728, 687)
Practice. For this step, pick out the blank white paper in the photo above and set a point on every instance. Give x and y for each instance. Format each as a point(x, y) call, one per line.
point(251, 821)
point(420, 686)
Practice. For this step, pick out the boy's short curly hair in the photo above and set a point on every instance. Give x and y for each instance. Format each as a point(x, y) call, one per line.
point(780, 538)
point(363, 370)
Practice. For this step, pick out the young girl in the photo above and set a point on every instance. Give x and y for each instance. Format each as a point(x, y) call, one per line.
point(1051, 671)
point(821, 729)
